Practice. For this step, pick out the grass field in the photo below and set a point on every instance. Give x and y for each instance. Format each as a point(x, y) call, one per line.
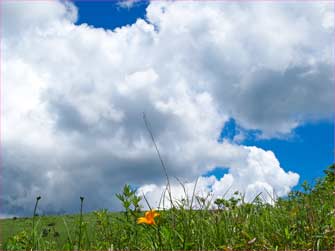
point(302, 221)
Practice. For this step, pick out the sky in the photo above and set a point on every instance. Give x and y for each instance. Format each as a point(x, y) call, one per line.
point(239, 96)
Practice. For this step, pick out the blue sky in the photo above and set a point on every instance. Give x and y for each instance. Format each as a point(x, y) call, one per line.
point(307, 150)
point(108, 14)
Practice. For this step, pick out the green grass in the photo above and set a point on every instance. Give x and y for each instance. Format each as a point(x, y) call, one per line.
point(12, 227)
point(302, 221)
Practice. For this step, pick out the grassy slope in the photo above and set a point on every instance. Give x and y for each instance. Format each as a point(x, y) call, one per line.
point(305, 220)
point(11, 227)
point(64, 225)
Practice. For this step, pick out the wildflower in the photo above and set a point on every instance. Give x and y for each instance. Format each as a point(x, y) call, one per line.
point(149, 218)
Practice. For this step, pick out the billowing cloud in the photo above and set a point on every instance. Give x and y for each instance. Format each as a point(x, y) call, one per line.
point(260, 175)
point(73, 96)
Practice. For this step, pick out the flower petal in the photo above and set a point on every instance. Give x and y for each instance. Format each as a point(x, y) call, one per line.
point(142, 220)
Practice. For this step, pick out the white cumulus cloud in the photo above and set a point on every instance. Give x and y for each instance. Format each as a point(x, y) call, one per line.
point(260, 175)
point(73, 97)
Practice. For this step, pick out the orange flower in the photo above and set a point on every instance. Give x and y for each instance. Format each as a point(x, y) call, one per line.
point(149, 218)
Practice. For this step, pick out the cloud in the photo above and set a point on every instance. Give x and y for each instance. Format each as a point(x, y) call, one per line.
point(128, 3)
point(255, 72)
point(261, 173)
point(24, 18)
point(80, 131)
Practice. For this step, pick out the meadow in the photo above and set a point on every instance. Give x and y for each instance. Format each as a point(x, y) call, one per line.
point(304, 220)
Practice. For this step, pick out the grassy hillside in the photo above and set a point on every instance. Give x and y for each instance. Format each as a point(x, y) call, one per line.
point(304, 220)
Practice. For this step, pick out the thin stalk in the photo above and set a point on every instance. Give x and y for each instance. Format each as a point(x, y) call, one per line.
point(68, 233)
point(33, 230)
point(159, 238)
point(80, 220)
point(159, 156)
